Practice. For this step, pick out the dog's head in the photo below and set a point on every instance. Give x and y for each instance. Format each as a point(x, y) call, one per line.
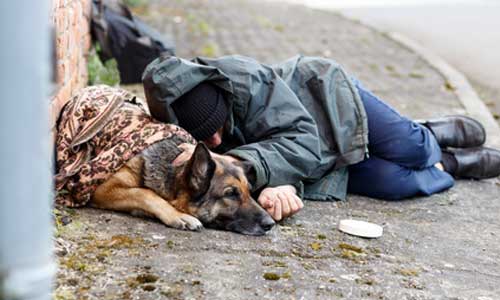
point(220, 195)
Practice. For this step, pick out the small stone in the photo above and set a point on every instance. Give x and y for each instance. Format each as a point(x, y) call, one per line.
point(448, 86)
point(66, 220)
point(367, 281)
point(147, 278)
point(158, 237)
point(177, 19)
point(72, 281)
point(60, 251)
point(350, 277)
point(149, 288)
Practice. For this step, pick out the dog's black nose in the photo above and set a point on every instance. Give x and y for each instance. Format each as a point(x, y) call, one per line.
point(267, 223)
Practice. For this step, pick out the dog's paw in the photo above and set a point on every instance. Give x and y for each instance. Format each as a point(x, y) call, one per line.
point(186, 222)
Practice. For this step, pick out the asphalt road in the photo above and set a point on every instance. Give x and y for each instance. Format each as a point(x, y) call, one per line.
point(465, 33)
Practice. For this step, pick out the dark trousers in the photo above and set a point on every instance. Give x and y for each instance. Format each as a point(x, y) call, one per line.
point(402, 156)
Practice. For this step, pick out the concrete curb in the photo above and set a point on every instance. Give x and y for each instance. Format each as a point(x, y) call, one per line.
point(474, 106)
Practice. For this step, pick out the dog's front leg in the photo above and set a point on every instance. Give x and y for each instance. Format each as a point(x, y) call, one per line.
point(130, 199)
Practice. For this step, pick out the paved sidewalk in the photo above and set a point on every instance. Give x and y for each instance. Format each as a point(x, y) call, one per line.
point(441, 247)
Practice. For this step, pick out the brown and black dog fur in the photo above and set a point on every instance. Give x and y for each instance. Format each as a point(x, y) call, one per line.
point(207, 190)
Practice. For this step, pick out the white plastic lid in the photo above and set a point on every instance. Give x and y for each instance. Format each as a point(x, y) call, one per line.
point(360, 228)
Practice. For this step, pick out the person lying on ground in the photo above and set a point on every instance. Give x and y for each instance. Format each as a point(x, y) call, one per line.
point(312, 131)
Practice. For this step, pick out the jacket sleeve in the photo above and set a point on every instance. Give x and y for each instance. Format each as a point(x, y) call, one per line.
point(282, 137)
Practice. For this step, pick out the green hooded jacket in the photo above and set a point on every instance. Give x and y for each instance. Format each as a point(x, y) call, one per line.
point(298, 122)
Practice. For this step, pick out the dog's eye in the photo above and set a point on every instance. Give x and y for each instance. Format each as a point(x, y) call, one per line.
point(231, 192)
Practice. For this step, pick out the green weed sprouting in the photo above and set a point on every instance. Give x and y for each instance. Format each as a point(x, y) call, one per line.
point(100, 73)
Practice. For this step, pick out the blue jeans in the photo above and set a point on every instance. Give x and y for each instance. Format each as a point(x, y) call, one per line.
point(402, 156)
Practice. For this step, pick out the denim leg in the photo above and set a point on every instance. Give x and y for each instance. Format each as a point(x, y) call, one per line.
point(382, 179)
point(396, 138)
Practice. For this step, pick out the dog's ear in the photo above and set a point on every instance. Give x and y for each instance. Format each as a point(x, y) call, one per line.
point(249, 171)
point(200, 170)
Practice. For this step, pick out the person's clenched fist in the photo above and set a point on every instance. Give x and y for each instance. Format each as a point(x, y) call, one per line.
point(280, 202)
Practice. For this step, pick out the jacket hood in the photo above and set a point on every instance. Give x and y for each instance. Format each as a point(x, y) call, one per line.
point(167, 78)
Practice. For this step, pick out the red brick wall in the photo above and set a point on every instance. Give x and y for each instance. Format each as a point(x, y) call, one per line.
point(71, 20)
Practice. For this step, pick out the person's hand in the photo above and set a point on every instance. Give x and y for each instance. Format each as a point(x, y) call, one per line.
point(280, 202)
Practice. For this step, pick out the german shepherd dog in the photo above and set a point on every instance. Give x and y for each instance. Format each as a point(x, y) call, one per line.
point(207, 190)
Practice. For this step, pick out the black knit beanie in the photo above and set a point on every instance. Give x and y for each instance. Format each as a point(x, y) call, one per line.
point(201, 111)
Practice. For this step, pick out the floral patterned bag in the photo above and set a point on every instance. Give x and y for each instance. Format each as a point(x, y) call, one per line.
point(99, 130)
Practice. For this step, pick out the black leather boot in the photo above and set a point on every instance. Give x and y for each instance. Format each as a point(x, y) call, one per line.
point(474, 163)
point(457, 131)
